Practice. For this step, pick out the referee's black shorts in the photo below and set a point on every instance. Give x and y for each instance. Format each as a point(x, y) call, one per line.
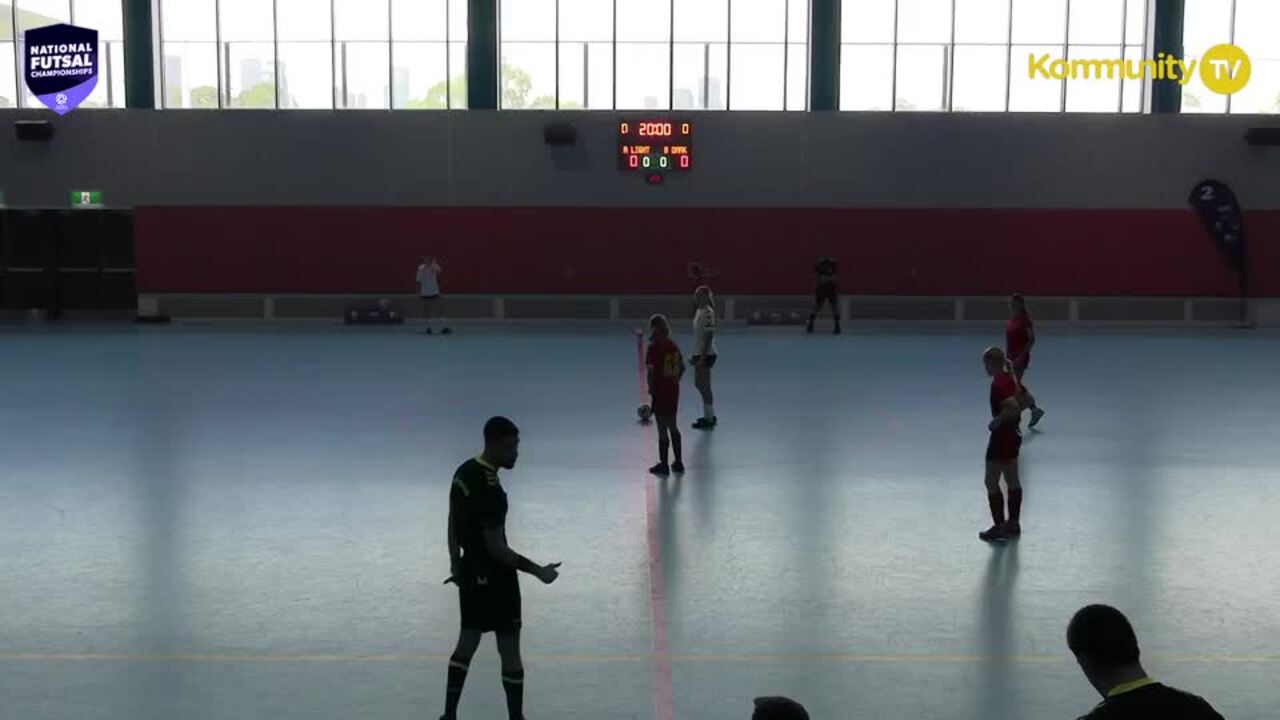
point(826, 292)
point(490, 604)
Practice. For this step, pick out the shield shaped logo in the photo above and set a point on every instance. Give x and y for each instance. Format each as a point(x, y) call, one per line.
point(60, 64)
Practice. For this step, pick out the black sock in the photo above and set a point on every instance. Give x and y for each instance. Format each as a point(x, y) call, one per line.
point(513, 685)
point(676, 445)
point(663, 444)
point(453, 690)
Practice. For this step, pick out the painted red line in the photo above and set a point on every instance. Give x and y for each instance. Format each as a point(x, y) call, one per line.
point(663, 694)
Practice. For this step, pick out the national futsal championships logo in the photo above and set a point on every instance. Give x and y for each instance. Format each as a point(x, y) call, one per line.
point(61, 65)
point(1224, 69)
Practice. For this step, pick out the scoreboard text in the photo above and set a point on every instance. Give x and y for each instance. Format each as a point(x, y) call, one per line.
point(655, 145)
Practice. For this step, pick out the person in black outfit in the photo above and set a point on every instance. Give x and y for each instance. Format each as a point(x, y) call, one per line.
point(778, 708)
point(826, 291)
point(1106, 647)
point(485, 568)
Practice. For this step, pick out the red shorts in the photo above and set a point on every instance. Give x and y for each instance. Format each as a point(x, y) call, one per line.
point(1021, 367)
point(1004, 446)
point(666, 402)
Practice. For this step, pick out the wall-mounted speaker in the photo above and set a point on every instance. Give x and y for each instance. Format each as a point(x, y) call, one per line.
point(33, 130)
point(560, 133)
point(1262, 136)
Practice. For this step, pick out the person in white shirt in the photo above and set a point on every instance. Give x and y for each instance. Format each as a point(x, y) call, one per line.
point(429, 272)
point(704, 353)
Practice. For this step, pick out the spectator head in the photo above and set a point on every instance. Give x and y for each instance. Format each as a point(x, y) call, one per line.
point(1104, 644)
point(779, 708)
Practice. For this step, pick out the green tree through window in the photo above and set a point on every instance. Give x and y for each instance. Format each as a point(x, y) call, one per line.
point(262, 95)
point(516, 86)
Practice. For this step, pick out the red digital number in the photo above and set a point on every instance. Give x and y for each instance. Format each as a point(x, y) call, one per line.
point(634, 161)
point(655, 129)
point(684, 162)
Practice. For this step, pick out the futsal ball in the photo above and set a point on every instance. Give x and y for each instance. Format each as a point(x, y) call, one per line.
point(644, 412)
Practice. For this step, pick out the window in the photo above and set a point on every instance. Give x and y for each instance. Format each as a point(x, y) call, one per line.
point(8, 69)
point(304, 54)
point(665, 54)
point(347, 54)
point(585, 54)
point(529, 74)
point(978, 55)
point(425, 75)
point(108, 19)
point(105, 17)
point(758, 53)
point(643, 66)
point(700, 55)
point(1250, 24)
point(363, 74)
point(189, 54)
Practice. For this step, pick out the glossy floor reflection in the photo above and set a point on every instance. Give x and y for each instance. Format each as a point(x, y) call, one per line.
point(234, 524)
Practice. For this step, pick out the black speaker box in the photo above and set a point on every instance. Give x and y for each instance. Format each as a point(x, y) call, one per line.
point(33, 130)
point(1263, 136)
point(561, 133)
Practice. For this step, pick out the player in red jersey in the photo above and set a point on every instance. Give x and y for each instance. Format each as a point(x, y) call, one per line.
point(1007, 403)
point(666, 366)
point(1019, 337)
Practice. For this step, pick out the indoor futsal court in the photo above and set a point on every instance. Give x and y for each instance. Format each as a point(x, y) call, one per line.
point(639, 359)
point(245, 523)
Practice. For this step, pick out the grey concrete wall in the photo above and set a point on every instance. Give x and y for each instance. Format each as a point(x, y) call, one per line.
point(741, 159)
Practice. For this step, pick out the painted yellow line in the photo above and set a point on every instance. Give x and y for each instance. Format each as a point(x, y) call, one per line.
point(553, 658)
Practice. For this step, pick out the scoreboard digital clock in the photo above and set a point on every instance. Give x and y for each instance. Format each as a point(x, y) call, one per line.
point(655, 145)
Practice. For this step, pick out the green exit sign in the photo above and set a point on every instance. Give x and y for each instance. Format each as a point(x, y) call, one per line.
point(86, 198)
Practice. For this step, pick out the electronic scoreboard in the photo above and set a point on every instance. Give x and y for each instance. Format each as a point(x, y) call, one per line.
point(655, 146)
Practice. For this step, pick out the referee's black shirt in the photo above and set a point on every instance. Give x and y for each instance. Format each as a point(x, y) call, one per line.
point(1148, 700)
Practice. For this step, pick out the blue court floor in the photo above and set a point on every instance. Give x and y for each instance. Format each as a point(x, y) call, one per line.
point(249, 523)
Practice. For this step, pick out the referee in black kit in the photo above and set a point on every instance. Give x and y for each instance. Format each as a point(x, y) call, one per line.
point(485, 568)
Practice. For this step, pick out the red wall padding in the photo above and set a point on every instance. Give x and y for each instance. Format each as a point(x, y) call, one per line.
point(646, 250)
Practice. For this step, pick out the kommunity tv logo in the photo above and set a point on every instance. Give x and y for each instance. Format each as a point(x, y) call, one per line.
point(1224, 69)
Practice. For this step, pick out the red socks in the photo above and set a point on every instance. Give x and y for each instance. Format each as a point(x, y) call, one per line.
point(996, 501)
